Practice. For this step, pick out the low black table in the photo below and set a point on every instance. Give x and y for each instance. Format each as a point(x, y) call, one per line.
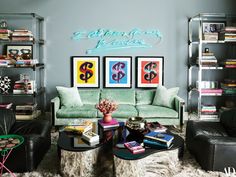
point(82, 160)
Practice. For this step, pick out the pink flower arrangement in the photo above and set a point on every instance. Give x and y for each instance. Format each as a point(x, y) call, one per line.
point(106, 106)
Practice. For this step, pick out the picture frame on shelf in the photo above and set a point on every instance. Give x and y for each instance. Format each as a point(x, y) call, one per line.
point(118, 71)
point(149, 71)
point(20, 51)
point(85, 71)
point(212, 27)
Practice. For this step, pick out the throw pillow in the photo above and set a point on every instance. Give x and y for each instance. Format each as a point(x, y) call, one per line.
point(165, 97)
point(69, 96)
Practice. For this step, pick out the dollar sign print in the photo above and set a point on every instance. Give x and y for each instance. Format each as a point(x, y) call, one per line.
point(85, 68)
point(118, 72)
point(150, 72)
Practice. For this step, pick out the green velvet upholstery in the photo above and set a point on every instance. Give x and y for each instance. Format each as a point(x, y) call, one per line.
point(123, 111)
point(85, 111)
point(156, 111)
point(90, 96)
point(144, 96)
point(120, 96)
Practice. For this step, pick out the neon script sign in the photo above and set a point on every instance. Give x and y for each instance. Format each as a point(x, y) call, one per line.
point(108, 39)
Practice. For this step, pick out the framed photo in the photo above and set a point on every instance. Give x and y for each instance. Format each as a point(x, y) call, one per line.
point(85, 71)
point(20, 51)
point(149, 71)
point(212, 27)
point(118, 72)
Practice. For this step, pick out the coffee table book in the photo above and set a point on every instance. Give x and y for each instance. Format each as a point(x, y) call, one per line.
point(134, 147)
point(80, 143)
point(90, 136)
point(108, 125)
point(160, 137)
point(155, 144)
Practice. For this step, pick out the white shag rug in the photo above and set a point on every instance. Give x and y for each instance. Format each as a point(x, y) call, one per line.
point(187, 167)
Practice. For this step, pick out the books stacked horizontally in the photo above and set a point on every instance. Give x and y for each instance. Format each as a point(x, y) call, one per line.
point(210, 36)
point(208, 60)
point(22, 35)
point(213, 92)
point(6, 105)
point(229, 86)
point(229, 34)
point(158, 140)
point(134, 147)
point(27, 111)
point(5, 34)
point(108, 125)
point(156, 127)
point(21, 87)
point(91, 138)
point(27, 62)
point(230, 63)
point(82, 127)
point(208, 112)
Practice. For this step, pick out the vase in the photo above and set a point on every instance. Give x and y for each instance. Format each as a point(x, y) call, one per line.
point(107, 117)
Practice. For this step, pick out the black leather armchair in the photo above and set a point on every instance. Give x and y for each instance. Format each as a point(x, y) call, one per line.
point(213, 143)
point(37, 141)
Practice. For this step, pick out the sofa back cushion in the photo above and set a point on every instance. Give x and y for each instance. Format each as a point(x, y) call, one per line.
point(228, 120)
point(120, 96)
point(89, 96)
point(144, 97)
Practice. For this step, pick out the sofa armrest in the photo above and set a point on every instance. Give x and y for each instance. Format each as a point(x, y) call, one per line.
point(55, 106)
point(179, 107)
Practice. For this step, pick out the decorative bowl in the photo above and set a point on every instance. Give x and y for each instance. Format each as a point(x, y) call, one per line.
point(136, 125)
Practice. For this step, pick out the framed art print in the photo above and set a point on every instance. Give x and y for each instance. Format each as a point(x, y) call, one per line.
point(149, 71)
point(118, 72)
point(85, 71)
point(20, 51)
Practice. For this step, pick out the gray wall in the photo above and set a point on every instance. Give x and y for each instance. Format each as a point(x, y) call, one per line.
point(65, 17)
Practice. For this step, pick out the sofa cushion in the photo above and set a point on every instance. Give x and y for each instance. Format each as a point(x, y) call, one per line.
point(165, 97)
point(120, 96)
point(85, 111)
point(69, 96)
point(144, 96)
point(156, 111)
point(123, 111)
point(228, 120)
point(89, 96)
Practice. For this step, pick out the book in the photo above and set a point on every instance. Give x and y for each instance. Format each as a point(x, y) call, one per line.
point(90, 136)
point(156, 127)
point(156, 144)
point(28, 117)
point(80, 143)
point(5, 105)
point(160, 137)
point(134, 147)
point(84, 126)
point(108, 125)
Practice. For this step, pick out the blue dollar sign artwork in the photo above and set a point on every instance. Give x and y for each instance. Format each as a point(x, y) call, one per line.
point(85, 68)
point(149, 68)
point(118, 72)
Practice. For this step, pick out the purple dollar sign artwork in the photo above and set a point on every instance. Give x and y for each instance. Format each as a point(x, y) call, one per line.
point(118, 72)
point(85, 68)
point(151, 73)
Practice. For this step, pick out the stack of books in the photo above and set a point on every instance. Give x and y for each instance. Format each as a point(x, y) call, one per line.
point(158, 140)
point(22, 35)
point(21, 87)
point(91, 138)
point(230, 63)
point(27, 111)
point(6, 105)
point(210, 36)
point(27, 62)
point(208, 60)
point(229, 34)
point(82, 127)
point(5, 34)
point(134, 147)
point(229, 86)
point(208, 112)
point(108, 125)
point(212, 92)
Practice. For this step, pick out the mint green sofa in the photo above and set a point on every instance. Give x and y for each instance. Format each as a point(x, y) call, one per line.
point(131, 102)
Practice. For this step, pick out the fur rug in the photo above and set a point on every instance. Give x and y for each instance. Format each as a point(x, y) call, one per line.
point(187, 167)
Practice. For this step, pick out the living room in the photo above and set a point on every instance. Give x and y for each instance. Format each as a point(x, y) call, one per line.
point(158, 41)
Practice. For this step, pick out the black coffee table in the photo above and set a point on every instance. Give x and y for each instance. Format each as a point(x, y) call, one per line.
point(86, 154)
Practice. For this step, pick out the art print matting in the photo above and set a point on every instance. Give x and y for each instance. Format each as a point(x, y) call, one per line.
point(85, 71)
point(149, 71)
point(118, 72)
